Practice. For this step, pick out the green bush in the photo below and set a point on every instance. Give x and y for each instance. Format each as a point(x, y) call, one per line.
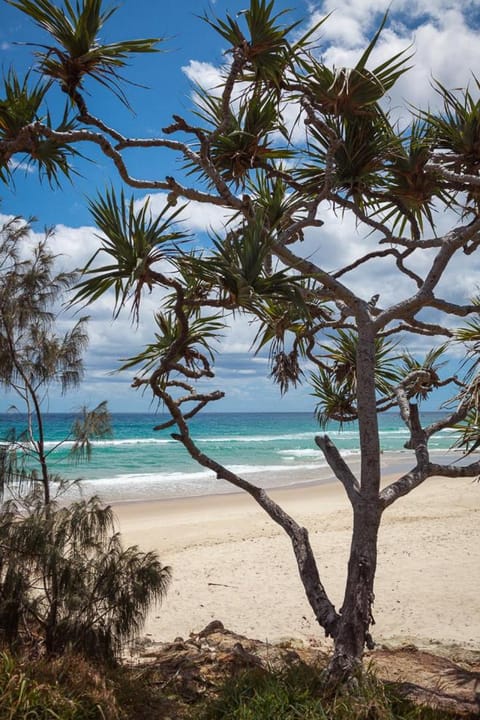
point(66, 579)
point(260, 695)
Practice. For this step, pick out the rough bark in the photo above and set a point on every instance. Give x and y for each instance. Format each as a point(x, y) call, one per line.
point(356, 613)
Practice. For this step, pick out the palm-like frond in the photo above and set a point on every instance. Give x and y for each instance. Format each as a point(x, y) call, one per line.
point(281, 322)
point(20, 106)
point(274, 202)
point(420, 387)
point(277, 321)
point(354, 91)
point(342, 355)
point(456, 132)
point(411, 188)
point(179, 341)
point(135, 241)
point(363, 145)
point(53, 158)
point(238, 267)
point(265, 45)
point(469, 336)
point(457, 127)
point(246, 140)
point(334, 402)
point(469, 429)
point(77, 52)
point(335, 385)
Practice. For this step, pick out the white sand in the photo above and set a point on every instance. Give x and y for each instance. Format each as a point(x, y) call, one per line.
point(232, 563)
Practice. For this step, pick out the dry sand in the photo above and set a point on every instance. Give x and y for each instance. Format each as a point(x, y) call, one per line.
point(232, 563)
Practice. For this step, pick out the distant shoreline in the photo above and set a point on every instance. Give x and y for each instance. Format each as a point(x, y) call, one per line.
point(394, 464)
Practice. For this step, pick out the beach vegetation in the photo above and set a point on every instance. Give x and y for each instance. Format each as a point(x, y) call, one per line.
point(72, 688)
point(34, 357)
point(66, 581)
point(301, 691)
point(339, 320)
point(66, 688)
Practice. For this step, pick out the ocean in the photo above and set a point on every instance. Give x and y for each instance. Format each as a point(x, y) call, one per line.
point(270, 449)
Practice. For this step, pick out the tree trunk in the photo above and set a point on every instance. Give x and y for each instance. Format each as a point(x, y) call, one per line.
point(356, 614)
point(353, 632)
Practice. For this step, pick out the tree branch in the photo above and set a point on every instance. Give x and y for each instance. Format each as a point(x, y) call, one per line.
point(339, 467)
point(325, 612)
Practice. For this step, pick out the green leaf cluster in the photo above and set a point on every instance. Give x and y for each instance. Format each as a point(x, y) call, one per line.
point(265, 47)
point(136, 241)
point(334, 384)
point(77, 52)
point(22, 104)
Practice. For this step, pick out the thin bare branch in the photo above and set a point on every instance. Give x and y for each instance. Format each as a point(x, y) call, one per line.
point(412, 325)
point(462, 179)
point(339, 467)
point(325, 612)
point(402, 486)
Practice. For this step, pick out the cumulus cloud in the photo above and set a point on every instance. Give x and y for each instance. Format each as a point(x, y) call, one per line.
point(443, 38)
point(205, 74)
point(115, 340)
point(428, 31)
point(196, 217)
point(431, 31)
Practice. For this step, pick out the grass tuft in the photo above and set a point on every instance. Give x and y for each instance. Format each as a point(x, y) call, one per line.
point(62, 689)
point(299, 692)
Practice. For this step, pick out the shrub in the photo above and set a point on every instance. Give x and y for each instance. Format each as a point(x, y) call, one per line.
point(67, 580)
point(42, 692)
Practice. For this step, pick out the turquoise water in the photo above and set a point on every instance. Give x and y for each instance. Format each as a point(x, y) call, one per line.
point(271, 449)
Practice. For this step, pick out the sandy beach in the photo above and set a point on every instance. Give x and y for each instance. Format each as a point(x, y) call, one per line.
point(232, 563)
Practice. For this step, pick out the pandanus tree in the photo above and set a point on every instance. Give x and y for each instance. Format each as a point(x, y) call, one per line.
point(318, 320)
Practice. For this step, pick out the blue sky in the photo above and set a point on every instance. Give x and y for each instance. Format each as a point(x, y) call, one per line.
point(445, 40)
point(186, 38)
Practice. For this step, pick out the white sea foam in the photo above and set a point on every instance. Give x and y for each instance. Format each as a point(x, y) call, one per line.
point(144, 486)
point(313, 452)
point(200, 440)
point(116, 443)
point(254, 438)
point(306, 452)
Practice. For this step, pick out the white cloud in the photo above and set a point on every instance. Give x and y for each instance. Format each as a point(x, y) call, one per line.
point(75, 246)
point(15, 165)
point(205, 74)
point(433, 30)
point(197, 217)
point(445, 46)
